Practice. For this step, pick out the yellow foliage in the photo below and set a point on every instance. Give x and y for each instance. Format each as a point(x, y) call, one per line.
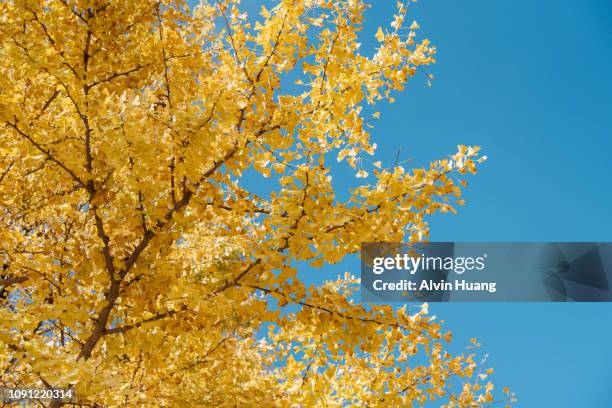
point(139, 269)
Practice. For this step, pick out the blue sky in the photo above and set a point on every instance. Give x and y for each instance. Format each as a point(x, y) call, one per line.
point(530, 82)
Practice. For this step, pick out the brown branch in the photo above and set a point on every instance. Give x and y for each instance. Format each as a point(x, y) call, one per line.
point(330, 311)
point(191, 54)
point(168, 97)
point(141, 204)
point(212, 112)
point(380, 204)
point(202, 359)
point(276, 42)
point(86, 54)
point(414, 383)
point(157, 317)
point(183, 202)
point(302, 213)
point(100, 326)
point(233, 43)
point(46, 153)
point(228, 208)
point(311, 362)
point(161, 39)
point(65, 332)
point(47, 103)
point(108, 258)
point(236, 281)
point(115, 288)
point(13, 280)
point(53, 42)
point(73, 11)
point(6, 171)
point(44, 276)
point(117, 75)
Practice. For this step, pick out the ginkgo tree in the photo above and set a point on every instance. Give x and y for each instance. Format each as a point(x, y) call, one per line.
point(139, 269)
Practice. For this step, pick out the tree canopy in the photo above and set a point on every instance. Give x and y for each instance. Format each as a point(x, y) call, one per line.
point(140, 269)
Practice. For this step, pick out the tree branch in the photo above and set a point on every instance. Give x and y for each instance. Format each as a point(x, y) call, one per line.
point(117, 75)
point(46, 153)
point(330, 311)
point(13, 280)
point(157, 317)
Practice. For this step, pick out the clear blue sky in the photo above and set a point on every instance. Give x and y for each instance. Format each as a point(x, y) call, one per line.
point(530, 82)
